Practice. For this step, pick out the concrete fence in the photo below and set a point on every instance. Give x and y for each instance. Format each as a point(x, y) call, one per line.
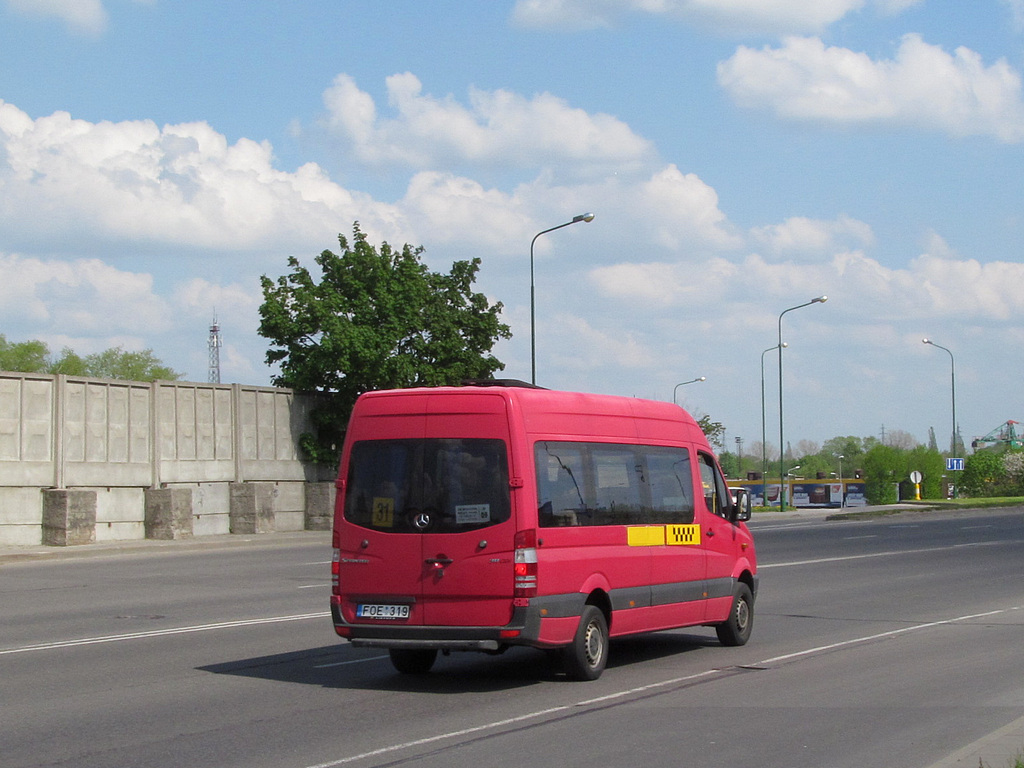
point(84, 460)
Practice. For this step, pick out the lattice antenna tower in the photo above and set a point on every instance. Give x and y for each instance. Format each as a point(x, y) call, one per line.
point(215, 344)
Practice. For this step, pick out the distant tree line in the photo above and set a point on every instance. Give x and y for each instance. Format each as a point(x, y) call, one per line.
point(885, 467)
point(113, 363)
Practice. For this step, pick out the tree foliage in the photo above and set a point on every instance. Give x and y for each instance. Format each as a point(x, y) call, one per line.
point(113, 363)
point(375, 318)
point(714, 431)
point(993, 473)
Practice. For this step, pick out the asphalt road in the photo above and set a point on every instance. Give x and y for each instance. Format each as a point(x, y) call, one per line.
point(890, 642)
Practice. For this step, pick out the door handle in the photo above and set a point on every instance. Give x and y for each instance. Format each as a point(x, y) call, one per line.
point(439, 562)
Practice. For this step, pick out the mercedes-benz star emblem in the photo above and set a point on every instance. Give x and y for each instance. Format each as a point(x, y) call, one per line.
point(422, 521)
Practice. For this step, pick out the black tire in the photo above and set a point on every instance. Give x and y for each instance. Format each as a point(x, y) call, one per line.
point(586, 658)
point(736, 629)
point(413, 661)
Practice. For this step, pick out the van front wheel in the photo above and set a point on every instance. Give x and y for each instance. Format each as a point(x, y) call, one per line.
point(736, 629)
point(586, 658)
point(413, 661)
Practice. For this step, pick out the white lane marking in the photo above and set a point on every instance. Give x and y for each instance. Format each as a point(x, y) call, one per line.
point(161, 632)
point(494, 725)
point(840, 558)
point(439, 737)
point(881, 635)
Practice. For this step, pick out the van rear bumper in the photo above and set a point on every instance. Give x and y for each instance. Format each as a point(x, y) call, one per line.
point(522, 629)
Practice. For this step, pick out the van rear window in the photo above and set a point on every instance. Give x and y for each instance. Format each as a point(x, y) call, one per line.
point(612, 484)
point(427, 486)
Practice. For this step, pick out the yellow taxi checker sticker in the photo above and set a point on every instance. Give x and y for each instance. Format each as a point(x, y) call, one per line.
point(682, 534)
point(646, 535)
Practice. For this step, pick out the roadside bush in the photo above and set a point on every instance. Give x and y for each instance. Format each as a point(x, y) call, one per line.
point(988, 473)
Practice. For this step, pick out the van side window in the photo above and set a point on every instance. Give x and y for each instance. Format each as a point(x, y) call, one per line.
point(716, 494)
point(612, 484)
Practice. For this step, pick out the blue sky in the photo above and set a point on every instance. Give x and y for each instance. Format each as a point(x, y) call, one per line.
point(741, 157)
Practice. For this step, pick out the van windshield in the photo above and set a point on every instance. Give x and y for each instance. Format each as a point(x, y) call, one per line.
point(431, 485)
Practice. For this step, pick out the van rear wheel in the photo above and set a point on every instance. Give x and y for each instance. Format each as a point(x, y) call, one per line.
point(586, 658)
point(736, 629)
point(413, 661)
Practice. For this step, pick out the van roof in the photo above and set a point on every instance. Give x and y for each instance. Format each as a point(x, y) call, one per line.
point(570, 413)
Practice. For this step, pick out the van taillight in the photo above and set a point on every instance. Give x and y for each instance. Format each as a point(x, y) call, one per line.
point(335, 568)
point(526, 564)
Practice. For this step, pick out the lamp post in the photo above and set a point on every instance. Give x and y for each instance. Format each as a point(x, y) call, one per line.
point(952, 380)
point(682, 383)
point(533, 329)
point(782, 441)
point(842, 487)
point(764, 434)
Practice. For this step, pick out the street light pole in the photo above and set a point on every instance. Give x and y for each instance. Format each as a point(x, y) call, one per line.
point(691, 381)
point(764, 434)
point(842, 487)
point(533, 328)
point(952, 380)
point(782, 441)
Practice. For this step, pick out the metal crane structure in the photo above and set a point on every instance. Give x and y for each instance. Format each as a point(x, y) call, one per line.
point(1002, 437)
point(214, 345)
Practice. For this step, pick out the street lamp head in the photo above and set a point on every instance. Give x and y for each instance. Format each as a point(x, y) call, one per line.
point(583, 217)
point(926, 341)
point(702, 378)
point(819, 300)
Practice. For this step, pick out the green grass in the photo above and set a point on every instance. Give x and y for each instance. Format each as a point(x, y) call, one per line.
point(1018, 762)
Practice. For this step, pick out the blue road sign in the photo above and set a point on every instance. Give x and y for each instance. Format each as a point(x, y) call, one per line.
point(954, 465)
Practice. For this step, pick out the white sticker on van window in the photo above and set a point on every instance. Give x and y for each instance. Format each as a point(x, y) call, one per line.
point(469, 514)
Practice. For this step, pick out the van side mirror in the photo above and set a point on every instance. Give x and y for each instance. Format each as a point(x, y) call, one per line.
point(741, 510)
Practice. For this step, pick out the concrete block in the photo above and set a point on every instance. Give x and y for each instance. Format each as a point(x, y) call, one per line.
point(21, 506)
point(21, 535)
point(69, 517)
point(319, 512)
point(252, 508)
point(168, 513)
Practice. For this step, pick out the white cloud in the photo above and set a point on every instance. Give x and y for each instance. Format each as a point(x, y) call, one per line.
point(63, 179)
point(923, 86)
point(813, 239)
point(86, 295)
point(862, 289)
point(749, 16)
point(82, 16)
point(1016, 11)
point(88, 16)
point(497, 128)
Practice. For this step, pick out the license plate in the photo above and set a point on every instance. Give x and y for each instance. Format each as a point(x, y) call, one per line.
point(379, 611)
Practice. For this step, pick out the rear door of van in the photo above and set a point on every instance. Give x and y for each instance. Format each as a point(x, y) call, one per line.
point(427, 518)
point(468, 557)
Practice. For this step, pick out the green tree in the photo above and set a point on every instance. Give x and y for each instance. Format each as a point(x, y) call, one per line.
point(932, 466)
point(714, 431)
point(114, 363)
point(884, 469)
point(985, 474)
point(23, 356)
point(70, 364)
point(374, 319)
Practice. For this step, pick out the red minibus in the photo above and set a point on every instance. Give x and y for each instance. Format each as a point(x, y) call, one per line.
point(483, 517)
